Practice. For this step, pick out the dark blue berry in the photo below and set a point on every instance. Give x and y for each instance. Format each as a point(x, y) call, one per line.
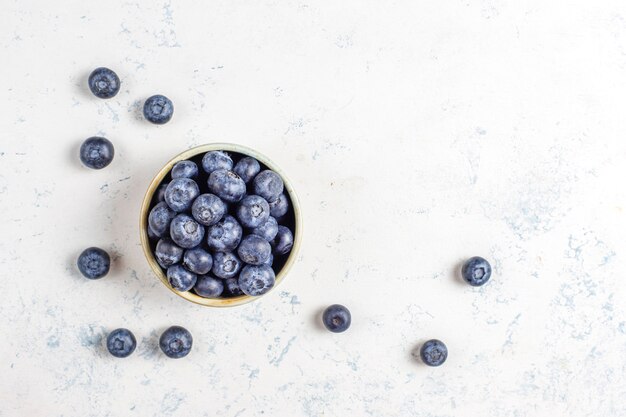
point(185, 169)
point(176, 342)
point(256, 280)
point(226, 185)
point(434, 352)
point(337, 318)
point(254, 250)
point(253, 211)
point(268, 185)
point(121, 343)
point(198, 260)
point(476, 271)
point(267, 230)
point(209, 287)
point(159, 194)
point(214, 160)
point(283, 242)
point(158, 109)
point(226, 265)
point(208, 209)
point(186, 232)
point(180, 194)
point(94, 263)
point(104, 83)
point(247, 168)
point(232, 287)
point(279, 207)
point(225, 235)
point(160, 218)
point(168, 253)
point(180, 279)
point(96, 152)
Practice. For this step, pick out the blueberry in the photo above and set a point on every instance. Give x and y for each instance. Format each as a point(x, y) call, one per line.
point(152, 234)
point(104, 83)
point(121, 343)
point(337, 318)
point(253, 211)
point(208, 209)
point(214, 160)
point(94, 263)
point(476, 271)
point(209, 287)
point(96, 152)
point(180, 279)
point(268, 185)
point(226, 185)
point(158, 109)
point(254, 250)
point(176, 342)
point(180, 193)
point(168, 253)
point(279, 207)
point(256, 280)
point(198, 260)
point(232, 287)
point(267, 230)
point(225, 235)
point(247, 168)
point(283, 242)
point(225, 265)
point(434, 352)
point(186, 232)
point(185, 169)
point(160, 218)
point(159, 194)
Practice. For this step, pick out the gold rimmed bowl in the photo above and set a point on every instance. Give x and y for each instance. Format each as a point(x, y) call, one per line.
point(293, 220)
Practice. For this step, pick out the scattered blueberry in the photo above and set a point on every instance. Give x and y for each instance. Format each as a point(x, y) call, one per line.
point(208, 209)
point(254, 250)
point(268, 185)
point(198, 260)
point(160, 218)
point(283, 242)
point(226, 185)
point(279, 207)
point(476, 271)
point(337, 318)
point(214, 160)
point(176, 342)
point(434, 352)
point(209, 287)
point(180, 279)
point(180, 193)
point(256, 280)
point(158, 109)
point(96, 152)
point(104, 83)
point(168, 253)
point(186, 232)
point(247, 168)
point(160, 192)
point(121, 343)
point(225, 235)
point(226, 265)
point(232, 287)
point(94, 263)
point(185, 169)
point(253, 211)
point(267, 230)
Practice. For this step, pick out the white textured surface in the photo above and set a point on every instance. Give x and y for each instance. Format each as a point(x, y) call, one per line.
point(417, 133)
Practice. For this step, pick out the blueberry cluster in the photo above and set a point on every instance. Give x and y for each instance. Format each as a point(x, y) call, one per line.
point(221, 225)
point(175, 342)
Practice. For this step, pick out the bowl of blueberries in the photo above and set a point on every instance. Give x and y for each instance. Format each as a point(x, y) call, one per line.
point(220, 225)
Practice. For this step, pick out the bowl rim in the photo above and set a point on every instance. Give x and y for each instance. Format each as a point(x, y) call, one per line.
point(145, 209)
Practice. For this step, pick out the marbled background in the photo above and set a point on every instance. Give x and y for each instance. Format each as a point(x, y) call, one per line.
point(417, 133)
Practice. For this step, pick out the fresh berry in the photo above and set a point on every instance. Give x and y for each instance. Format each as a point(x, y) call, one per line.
point(208, 209)
point(256, 280)
point(225, 235)
point(337, 318)
point(158, 109)
point(226, 265)
point(168, 253)
point(94, 263)
point(198, 260)
point(254, 250)
point(104, 83)
point(186, 232)
point(185, 169)
point(160, 192)
point(121, 343)
point(267, 230)
point(268, 185)
point(176, 342)
point(253, 211)
point(226, 185)
point(96, 152)
point(247, 168)
point(476, 271)
point(214, 160)
point(279, 207)
point(180, 279)
point(434, 352)
point(209, 287)
point(283, 242)
point(160, 218)
point(180, 193)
